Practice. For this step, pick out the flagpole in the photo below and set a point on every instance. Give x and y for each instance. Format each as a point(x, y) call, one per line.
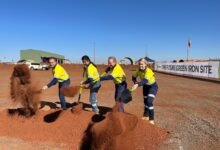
point(188, 46)
point(187, 53)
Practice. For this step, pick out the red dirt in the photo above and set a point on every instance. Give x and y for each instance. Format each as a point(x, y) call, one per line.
point(77, 108)
point(118, 129)
point(58, 128)
point(65, 130)
point(187, 108)
point(70, 91)
point(23, 91)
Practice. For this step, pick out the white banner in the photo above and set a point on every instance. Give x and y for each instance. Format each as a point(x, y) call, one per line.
point(209, 69)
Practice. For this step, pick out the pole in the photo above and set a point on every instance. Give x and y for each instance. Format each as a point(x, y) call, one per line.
point(188, 46)
point(94, 53)
point(187, 53)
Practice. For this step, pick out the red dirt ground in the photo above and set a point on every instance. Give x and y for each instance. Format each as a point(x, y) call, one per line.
point(187, 108)
point(65, 130)
point(58, 128)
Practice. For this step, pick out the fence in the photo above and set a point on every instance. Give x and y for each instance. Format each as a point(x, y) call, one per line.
point(210, 69)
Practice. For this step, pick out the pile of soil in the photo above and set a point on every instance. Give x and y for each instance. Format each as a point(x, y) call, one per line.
point(55, 127)
point(123, 131)
point(23, 91)
point(82, 131)
point(77, 108)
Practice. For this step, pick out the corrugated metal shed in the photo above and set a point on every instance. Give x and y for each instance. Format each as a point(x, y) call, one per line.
point(35, 55)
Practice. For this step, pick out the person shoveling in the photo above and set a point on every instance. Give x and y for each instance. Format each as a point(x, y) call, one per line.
point(115, 72)
point(150, 88)
point(91, 82)
point(60, 76)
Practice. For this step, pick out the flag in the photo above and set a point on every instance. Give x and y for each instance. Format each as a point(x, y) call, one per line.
point(189, 43)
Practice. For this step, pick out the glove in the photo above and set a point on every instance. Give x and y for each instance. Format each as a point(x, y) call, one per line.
point(81, 82)
point(85, 86)
point(45, 87)
point(134, 87)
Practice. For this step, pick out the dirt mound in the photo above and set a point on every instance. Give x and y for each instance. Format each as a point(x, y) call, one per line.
point(77, 108)
point(70, 91)
point(23, 90)
point(123, 131)
point(83, 131)
point(56, 128)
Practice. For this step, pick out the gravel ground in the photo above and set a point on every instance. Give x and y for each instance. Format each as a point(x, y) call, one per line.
point(188, 109)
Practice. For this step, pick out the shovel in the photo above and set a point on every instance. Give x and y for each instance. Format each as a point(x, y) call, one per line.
point(126, 96)
point(79, 107)
point(80, 93)
point(70, 91)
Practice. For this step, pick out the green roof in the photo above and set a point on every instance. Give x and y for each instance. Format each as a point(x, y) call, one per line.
point(35, 55)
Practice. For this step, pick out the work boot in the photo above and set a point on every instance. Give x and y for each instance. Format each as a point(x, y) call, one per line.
point(96, 110)
point(151, 122)
point(145, 118)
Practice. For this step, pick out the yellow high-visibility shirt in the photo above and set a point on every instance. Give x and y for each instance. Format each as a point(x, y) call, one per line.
point(118, 74)
point(146, 74)
point(92, 72)
point(60, 73)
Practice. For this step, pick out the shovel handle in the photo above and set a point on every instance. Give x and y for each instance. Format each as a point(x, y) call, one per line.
point(80, 93)
point(131, 90)
point(103, 74)
point(81, 88)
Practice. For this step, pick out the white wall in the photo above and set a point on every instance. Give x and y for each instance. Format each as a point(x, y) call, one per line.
point(209, 69)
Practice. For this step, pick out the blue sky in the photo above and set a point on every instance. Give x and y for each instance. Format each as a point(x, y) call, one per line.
point(158, 28)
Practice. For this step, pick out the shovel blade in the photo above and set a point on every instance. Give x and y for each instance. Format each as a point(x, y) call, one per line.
point(70, 91)
point(126, 96)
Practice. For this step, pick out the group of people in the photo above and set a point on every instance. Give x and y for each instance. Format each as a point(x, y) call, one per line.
point(113, 72)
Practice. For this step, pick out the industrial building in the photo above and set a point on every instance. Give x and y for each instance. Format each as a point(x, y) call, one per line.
point(39, 56)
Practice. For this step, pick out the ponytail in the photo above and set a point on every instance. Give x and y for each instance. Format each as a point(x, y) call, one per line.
point(93, 64)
